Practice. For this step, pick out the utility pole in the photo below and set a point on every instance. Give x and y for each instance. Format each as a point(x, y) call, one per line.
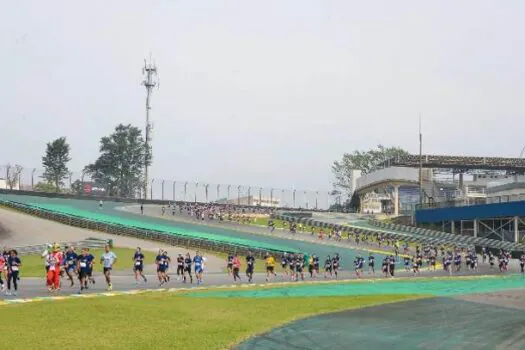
point(149, 71)
point(420, 164)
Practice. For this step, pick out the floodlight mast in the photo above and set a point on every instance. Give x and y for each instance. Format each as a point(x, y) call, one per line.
point(150, 81)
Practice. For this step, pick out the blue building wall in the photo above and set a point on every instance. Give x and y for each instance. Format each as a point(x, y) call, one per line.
point(482, 211)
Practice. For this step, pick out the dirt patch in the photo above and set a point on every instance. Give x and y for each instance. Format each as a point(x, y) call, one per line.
point(5, 233)
point(512, 298)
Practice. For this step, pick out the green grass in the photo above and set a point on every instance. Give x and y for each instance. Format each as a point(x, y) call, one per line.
point(33, 265)
point(160, 320)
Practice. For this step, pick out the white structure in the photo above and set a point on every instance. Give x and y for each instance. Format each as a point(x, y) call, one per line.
point(4, 185)
point(509, 192)
point(252, 201)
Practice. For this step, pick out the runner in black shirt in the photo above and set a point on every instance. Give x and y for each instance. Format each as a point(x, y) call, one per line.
point(250, 266)
point(229, 264)
point(187, 267)
point(371, 263)
point(180, 267)
point(328, 267)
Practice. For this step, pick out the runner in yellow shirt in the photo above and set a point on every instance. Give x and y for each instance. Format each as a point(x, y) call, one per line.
point(270, 266)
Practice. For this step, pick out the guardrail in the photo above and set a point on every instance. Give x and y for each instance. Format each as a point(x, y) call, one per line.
point(159, 236)
point(39, 248)
point(138, 200)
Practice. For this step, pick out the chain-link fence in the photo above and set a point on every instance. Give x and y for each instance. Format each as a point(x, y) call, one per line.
point(31, 179)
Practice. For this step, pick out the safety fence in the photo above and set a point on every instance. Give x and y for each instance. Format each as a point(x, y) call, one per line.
point(143, 230)
point(170, 189)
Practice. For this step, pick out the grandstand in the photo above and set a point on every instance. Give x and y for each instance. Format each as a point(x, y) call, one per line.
point(446, 180)
point(460, 164)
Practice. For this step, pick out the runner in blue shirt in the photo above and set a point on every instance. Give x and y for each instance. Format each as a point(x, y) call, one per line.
point(167, 261)
point(84, 266)
point(70, 263)
point(108, 259)
point(161, 267)
point(138, 265)
point(13, 269)
point(90, 270)
point(198, 263)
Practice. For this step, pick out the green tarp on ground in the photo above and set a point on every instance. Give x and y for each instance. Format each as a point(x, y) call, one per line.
point(115, 220)
point(416, 286)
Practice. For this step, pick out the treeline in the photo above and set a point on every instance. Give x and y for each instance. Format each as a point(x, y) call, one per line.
point(119, 169)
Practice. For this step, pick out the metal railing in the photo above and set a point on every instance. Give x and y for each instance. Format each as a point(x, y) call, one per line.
point(39, 248)
point(190, 191)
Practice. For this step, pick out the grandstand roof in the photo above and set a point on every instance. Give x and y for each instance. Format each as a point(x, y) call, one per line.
point(515, 165)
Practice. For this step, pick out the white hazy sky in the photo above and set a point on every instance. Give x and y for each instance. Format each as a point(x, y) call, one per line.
point(263, 92)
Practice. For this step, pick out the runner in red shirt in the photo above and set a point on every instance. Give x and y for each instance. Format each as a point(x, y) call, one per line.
point(2, 265)
point(53, 274)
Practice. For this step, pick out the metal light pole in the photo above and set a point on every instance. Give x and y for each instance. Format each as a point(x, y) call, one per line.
point(420, 165)
point(33, 179)
point(151, 189)
point(282, 197)
point(271, 197)
point(239, 195)
point(260, 196)
point(229, 187)
point(174, 187)
point(293, 195)
point(218, 191)
point(316, 199)
point(162, 196)
point(196, 188)
point(249, 195)
point(306, 199)
point(185, 191)
point(206, 191)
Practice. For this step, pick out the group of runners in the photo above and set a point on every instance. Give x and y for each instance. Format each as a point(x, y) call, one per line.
point(69, 264)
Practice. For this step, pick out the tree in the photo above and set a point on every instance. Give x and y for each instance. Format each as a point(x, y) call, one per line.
point(13, 175)
point(119, 168)
point(354, 203)
point(77, 187)
point(55, 162)
point(46, 187)
point(365, 161)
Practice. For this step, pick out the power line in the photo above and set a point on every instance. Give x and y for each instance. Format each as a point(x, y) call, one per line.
point(150, 81)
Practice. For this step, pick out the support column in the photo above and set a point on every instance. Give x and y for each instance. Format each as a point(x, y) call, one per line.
point(475, 223)
point(452, 226)
point(516, 231)
point(396, 200)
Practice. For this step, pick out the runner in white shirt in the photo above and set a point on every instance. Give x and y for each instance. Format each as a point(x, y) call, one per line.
point(45, 256)
point(108, 259)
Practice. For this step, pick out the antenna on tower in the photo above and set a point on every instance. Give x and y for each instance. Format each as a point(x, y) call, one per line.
point(150, 81)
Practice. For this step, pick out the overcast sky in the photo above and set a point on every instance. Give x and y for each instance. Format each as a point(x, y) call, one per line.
point(263, 92)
